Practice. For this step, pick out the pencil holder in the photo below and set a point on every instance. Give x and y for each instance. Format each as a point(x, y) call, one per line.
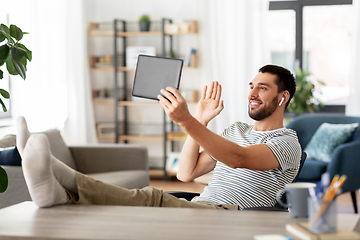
point(322, 215)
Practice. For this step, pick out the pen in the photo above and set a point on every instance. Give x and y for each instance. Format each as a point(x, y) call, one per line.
point(334, 187)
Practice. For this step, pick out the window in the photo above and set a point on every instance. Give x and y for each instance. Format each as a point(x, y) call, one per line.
point(327, 40)
point(318, 34)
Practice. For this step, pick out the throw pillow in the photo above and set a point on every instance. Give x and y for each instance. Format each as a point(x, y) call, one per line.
point(326, 138)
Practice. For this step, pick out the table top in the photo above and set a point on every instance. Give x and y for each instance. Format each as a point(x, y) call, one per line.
point(26, 221)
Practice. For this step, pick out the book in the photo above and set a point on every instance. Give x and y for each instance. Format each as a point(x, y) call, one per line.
point(302, 231)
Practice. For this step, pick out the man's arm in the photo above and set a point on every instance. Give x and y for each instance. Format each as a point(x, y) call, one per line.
point(194, 163)
point(256, 157)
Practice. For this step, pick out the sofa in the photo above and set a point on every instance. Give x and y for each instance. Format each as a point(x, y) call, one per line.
point(124, 165)
point(345, 158)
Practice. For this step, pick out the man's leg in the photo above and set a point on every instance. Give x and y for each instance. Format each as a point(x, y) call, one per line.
point(91, 191)
point(63, 173)
point(44, 189)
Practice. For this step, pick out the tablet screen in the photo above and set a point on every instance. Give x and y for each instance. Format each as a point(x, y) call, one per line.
point(154, 73)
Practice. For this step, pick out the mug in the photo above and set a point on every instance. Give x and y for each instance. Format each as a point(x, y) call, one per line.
point(296, 195)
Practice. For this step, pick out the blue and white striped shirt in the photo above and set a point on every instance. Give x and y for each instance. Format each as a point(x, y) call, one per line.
point(254, 188)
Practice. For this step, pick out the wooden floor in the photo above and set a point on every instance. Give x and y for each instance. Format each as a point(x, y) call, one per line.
point(344, 203)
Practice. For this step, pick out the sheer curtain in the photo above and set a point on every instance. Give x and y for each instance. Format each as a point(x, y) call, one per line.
point(233, 48)
point(352, 106)
point(56, 92)
point(80, 124)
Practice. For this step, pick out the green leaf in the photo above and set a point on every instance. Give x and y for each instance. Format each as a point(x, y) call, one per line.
point(10, 66)
point(28, 54)
point(2, 38)
point(7, 36)
point(23, 60)
point(1, 74)
point(2, 62)
point(4, 51)
point(20, 68)
point(17, 53)
point(16, 32)
point(4, 93)
point(3, 177)
point(5, 28)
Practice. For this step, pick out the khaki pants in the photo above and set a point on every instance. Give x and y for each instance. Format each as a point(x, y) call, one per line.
point(91, 191)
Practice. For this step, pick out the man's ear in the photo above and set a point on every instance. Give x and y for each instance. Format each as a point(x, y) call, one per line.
point(286, 96)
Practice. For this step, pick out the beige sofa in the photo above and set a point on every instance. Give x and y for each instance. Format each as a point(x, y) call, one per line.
point(124, 165)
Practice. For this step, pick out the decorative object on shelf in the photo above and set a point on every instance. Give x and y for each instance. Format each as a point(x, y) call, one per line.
point(144, 22)
point(172, 163)
point(182, 28)
point(15, 55)
point(304, 100)
point(190, 58)
point(106, 93)
point(95, 93)
point(132, 53)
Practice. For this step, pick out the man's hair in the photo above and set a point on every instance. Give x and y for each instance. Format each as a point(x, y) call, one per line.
point(285, 79)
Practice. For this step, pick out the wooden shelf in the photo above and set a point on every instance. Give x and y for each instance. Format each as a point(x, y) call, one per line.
point(110, 102)
point(123, 69)
point(94, 31)
point(174, 136)
point(131, 137)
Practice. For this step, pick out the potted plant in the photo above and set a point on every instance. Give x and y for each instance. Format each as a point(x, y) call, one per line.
point(304, 99)
point(15, 55)
point(144, 22)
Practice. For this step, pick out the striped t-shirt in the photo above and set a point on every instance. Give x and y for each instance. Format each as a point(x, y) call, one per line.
point(254, 188)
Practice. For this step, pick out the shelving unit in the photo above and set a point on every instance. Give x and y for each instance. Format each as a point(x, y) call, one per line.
point(119, 31)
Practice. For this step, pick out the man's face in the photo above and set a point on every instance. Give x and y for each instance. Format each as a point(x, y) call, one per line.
point(263, 96)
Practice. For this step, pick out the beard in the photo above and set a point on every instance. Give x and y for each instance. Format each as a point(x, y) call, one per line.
point(264, 113)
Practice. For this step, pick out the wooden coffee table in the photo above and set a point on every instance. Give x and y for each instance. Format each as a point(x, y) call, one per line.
point(26, 221)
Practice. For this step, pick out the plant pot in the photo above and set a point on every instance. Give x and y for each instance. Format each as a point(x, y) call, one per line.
point(144, 26)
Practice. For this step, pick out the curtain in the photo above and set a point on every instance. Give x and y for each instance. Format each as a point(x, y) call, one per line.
point(56, 92)
point(80, 124)
point(352, 106)
point(233, 48)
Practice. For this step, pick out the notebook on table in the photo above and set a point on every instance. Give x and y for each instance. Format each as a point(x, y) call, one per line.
point(154, 73)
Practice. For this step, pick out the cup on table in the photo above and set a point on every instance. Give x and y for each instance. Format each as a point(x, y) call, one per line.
point(296, 196)
point(325, 219)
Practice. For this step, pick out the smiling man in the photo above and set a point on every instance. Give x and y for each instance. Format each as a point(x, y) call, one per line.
point(250, 162)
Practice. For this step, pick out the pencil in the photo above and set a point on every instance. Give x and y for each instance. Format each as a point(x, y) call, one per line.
point(334, 187)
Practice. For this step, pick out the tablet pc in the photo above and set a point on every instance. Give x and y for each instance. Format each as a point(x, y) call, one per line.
point(154, 73)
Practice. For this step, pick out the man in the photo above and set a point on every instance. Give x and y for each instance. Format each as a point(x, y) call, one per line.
point(251, 162)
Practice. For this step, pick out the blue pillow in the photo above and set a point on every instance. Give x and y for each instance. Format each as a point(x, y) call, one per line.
point(326, 138)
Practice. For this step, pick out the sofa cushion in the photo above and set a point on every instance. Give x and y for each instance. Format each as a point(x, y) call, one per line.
point(57, 146)
point(326, 138)
point(312, 170)
point(127, 179)
point(7, 141)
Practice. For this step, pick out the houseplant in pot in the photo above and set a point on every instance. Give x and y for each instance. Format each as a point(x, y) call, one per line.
point(14, 55)
point(304, 99)
point(144, 22)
